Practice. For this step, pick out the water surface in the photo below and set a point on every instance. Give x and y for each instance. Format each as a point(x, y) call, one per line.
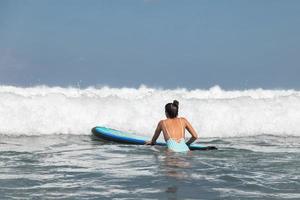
point(80, 167)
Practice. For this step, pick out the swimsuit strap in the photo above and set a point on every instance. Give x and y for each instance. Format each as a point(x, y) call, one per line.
point(167, 130)
point(181, 128)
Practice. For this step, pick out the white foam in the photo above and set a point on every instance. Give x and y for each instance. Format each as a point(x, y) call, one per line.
point(213, 113)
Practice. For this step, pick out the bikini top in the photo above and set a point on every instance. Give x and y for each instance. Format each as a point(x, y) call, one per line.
point(182, 133)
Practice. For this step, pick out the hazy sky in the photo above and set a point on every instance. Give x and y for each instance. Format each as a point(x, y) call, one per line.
point(193, 44)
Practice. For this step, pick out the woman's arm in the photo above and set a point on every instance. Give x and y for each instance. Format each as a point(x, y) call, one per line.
point(191, 130)
point(156, 134)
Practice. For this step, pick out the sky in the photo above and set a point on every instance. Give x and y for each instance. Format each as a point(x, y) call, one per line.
point(236, 44)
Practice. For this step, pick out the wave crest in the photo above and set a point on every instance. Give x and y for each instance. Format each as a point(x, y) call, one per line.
point(213, 113)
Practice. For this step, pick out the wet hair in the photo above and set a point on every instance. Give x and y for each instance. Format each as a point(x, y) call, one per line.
point(172, 109)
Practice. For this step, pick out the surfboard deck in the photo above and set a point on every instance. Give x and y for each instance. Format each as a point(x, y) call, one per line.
point(130, 138)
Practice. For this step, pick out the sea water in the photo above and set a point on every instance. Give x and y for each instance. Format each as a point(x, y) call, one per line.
point(47, 150)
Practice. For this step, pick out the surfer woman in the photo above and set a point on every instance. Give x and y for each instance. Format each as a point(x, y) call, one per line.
point(173, 129)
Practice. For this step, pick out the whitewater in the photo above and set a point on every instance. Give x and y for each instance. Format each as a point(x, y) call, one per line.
point(43, 110)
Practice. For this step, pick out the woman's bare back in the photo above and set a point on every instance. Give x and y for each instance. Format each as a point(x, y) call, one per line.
point(173, 128)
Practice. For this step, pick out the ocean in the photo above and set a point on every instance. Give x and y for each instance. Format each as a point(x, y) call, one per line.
point(47, 150)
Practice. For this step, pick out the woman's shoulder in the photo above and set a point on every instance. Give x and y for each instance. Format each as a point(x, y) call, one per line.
point(161, 122)
point(182, 119)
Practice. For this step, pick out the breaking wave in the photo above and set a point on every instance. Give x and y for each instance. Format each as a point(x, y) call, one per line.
point(213, 113)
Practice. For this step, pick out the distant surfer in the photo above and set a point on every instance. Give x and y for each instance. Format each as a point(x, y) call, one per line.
point(173, 129)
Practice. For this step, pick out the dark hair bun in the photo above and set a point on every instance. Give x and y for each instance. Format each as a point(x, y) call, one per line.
point(176, 103)
point(172, 109)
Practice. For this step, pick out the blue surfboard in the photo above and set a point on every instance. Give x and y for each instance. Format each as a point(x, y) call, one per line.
point(130, 138)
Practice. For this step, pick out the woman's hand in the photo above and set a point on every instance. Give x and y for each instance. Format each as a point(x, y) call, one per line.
point(149, 143)
point(156, 134)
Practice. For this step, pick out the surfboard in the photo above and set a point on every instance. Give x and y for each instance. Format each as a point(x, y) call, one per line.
point(113, 135)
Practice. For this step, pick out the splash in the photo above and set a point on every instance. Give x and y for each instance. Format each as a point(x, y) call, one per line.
point(213, 113)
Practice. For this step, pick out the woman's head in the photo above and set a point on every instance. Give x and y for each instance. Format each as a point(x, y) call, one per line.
point(171, 109)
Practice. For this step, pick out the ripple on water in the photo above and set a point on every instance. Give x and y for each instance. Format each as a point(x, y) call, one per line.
point(77, 167)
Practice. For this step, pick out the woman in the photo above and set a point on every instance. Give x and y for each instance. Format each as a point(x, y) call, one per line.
point(173, 129)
